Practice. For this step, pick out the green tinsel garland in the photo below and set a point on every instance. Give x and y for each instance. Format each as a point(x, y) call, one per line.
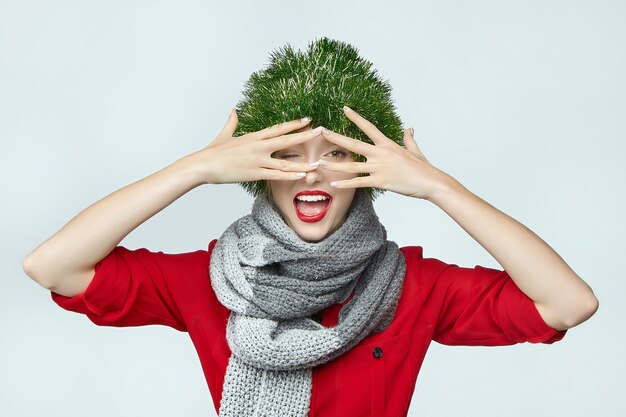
point(317, 84)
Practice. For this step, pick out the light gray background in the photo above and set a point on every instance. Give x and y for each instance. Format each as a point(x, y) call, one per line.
point(523, 102)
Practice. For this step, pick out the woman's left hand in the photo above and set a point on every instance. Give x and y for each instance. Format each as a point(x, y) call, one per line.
point(390, 166)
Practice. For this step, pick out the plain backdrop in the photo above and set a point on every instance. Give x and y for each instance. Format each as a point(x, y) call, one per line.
point(523, 102)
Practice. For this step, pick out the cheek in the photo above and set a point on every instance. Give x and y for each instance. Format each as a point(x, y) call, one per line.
point(346, 175)
point(338, 175)
point(345, 199)
point(277, 193)
point(277, 189)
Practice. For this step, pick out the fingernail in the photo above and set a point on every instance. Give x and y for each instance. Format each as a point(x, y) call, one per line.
point(347, 108)
point(318, 129)
point(412, 132)
point(305, 119)
point(326, 132)
point(314, 164)
point(334, 183)
point(300, 174)
point(230, 112)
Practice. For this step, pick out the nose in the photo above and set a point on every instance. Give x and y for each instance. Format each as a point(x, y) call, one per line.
point(314, 176)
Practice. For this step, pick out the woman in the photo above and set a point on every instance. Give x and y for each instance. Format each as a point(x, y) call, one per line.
point(304, 307)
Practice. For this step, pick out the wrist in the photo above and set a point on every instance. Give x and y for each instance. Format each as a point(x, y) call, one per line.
point(190, 169)
point(447, 188)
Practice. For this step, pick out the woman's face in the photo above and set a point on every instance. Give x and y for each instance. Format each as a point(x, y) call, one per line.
point(313, 220)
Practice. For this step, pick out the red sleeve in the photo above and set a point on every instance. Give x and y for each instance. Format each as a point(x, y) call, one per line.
point(140, 287)
point(484, 307)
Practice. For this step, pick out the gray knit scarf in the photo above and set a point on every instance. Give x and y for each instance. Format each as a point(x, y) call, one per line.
point(272, 281)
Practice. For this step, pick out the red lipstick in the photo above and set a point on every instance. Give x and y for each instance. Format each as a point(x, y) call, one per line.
point(317, 217)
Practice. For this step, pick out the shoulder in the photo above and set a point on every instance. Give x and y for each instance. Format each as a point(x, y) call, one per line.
point(419, 266)
point(167, 264)
point(211, 246)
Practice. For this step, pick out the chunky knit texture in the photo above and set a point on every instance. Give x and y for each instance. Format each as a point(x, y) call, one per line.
point(272, 281)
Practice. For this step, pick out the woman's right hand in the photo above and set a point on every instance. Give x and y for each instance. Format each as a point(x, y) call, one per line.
point(229, 159)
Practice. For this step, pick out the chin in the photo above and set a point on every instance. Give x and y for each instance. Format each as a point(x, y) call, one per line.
point(315, 231)
point(311, 235)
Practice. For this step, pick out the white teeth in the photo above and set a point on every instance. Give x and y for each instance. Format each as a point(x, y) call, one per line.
point(311, 197)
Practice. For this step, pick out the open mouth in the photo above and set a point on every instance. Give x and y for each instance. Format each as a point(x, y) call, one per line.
point(311, 208)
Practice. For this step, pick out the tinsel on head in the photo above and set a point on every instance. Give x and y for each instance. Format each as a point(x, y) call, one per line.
point(317, 83)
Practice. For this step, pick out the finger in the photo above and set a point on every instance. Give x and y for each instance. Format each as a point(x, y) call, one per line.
point(229, 128)
point(415, 146)
point(349, 167)
point(409, 141)
point(358, 182)
point(231, 123)
point(280, 128)
point(366, 126)
point(353, 145)
point(292, 139)
point(275, 175)
point(285, 165)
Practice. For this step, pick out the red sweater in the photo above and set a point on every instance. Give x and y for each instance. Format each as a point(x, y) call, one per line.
point(443, 302)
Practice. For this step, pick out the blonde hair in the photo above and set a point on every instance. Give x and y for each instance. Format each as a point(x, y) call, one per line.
point(267, 190)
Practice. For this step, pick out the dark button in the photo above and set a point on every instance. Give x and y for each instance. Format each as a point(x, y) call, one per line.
point(377, 352)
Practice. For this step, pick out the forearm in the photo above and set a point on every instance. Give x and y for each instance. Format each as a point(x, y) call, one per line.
point(98, 229)
point(532, 264)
